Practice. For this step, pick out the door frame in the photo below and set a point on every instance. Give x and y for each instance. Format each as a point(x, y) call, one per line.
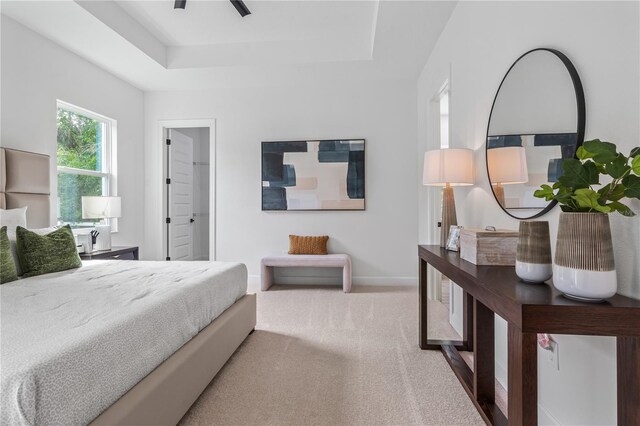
point(164, 125)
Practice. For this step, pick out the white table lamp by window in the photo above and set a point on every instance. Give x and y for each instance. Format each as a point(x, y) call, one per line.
point(101, 208)
point(507, 165)
point(448, 167)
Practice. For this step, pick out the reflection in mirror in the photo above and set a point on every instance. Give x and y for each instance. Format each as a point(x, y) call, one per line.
point(518, 165)
point(536, 122)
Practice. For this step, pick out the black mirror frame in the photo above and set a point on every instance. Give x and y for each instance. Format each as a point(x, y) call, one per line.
point(581, 114)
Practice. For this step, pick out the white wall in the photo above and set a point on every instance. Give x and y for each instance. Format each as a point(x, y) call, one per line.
point(37, 72)
point(480, 42)
point(381, 240)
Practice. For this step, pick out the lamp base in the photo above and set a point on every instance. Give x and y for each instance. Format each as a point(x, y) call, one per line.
point(448, 214)
point(498, 191)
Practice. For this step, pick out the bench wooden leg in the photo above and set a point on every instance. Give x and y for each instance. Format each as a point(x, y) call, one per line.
point(346, 278)
point(266, 277)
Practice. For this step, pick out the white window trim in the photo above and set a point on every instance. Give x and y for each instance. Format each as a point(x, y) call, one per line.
point(109, 154)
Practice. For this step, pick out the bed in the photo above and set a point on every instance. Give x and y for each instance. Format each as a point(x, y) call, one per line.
point(113, 342)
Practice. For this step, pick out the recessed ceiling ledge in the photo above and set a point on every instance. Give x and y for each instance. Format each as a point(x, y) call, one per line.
point(114, 17)
point(268, 53)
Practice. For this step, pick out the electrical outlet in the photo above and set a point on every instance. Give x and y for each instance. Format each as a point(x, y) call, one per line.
point(554, 354)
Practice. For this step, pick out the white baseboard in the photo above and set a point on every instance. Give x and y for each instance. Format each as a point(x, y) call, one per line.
point(501, 374)
point(546, 419)
point(373, 281)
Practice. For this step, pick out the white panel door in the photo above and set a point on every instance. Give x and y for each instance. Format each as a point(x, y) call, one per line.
point(181, 196)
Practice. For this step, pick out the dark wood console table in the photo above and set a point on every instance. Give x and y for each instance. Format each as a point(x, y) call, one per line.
point(528, 309)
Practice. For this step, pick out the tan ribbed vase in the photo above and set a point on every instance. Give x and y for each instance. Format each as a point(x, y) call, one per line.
point(534, 244)
point(584, 265)
point(533, 255)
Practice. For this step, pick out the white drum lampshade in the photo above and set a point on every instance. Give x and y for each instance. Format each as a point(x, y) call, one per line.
point(101, 208)
point(448, 167)
point(451, 166)
point(507, 165)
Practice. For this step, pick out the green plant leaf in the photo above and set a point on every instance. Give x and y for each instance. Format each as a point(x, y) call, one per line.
point(583, 154)
point(588, 198)
point(564, 196)
point(615, 194)
point(603, 152)
point(618, 167)
point(621, 208)
point(578, 175)
point(545, 192)
point(632, 184)
point(635, 165)
point(573, 190)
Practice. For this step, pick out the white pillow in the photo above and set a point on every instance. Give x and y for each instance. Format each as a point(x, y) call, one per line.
point(12, 218)
point(14, 248)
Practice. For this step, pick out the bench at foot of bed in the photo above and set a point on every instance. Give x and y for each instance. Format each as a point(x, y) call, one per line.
point(305, 261)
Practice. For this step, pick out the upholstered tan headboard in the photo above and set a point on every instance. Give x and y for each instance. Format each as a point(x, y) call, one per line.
point(25, 181)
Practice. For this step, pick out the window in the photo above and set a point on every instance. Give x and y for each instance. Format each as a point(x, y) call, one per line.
point(86, 145)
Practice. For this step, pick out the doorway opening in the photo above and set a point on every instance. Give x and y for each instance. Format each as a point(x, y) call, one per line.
point(444, 294)
point(189, 190)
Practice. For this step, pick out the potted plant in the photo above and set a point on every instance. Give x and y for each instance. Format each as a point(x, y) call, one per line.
point(584, 267)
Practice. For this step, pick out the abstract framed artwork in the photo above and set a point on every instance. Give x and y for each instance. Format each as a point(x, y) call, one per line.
point(313, 175)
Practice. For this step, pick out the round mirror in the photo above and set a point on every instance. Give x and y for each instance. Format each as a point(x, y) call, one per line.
point(537, 120)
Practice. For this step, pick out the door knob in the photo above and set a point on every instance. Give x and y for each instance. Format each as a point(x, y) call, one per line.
point(192, 220)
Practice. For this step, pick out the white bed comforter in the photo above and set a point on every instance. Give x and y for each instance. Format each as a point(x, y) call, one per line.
point(74, 342)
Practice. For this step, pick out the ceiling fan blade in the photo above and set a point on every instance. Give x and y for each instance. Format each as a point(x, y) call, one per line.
point(180, 4)
point(242, 8)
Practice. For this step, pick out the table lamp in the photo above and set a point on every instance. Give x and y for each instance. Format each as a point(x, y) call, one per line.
point(507, 165)
point(448, 167)
point(101, 208)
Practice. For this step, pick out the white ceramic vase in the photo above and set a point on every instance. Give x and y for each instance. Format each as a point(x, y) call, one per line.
point(533, 272)
point(584, 267)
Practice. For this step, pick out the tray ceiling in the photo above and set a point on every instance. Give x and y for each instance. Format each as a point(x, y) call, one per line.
point(217, 22)
point(156, 47)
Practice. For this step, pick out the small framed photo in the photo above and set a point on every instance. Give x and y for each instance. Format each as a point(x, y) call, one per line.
point(453, 242)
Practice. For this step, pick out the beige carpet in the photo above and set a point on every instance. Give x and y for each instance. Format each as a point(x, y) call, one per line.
point(322, 357)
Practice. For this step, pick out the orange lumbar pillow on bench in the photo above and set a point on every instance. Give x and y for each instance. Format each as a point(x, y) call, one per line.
point(308, 245)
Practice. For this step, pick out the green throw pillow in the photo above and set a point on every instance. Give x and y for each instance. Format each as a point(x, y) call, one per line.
point(43, 254)
point(7, 266)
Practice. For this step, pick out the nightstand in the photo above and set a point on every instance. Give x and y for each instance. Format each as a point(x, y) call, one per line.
point(118, 253)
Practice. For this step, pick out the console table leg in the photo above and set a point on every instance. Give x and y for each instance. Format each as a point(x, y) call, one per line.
point(628, 355)
point(422, 307)
point(467, 322)
point(522, 377)
point(484, 385)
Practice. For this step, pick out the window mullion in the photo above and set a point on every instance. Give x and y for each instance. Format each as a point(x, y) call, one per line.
point(74, 171)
